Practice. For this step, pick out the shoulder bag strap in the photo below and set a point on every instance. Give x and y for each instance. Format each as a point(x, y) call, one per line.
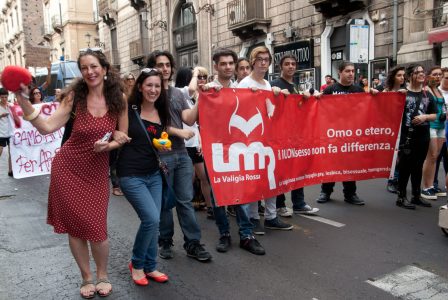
point(162, 165)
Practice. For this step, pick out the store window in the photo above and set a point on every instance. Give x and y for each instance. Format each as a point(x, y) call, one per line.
point(185, 36)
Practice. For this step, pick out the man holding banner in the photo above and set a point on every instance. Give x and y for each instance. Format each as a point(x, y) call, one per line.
point(260, 59)
point(344, 86)
point(288, 66)
point(224, 64)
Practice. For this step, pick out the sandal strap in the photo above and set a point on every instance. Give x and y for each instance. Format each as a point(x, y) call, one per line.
point(87, 282)
point(102, 280)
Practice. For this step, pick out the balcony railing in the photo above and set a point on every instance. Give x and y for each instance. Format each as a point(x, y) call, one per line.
point(136, 52)
point(247, 15)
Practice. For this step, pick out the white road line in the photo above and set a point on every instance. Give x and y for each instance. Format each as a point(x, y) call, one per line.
point(323, 220)
point(411, 282)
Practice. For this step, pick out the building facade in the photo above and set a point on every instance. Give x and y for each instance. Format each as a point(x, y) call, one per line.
point(20, 32)
point(374, 34)
point(69, 26)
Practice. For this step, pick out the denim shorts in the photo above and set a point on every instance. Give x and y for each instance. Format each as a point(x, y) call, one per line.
point(437, 133)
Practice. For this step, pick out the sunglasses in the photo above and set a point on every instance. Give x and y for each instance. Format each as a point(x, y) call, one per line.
point(36, 93)
point(202, 77)
point(130, 78)
point(95, 49)
point(150, 70)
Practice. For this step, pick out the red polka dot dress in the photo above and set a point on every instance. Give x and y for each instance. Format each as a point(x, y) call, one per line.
point(79, 186)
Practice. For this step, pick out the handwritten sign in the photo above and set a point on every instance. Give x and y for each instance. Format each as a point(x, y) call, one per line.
point(32, 152)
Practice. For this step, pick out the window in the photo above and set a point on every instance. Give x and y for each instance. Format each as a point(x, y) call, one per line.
point(185, 36)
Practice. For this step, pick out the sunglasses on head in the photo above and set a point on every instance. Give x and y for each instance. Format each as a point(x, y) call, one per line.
point(150, 70)
point(94, 50)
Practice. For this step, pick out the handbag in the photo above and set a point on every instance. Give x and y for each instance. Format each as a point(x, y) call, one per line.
point(168, 194)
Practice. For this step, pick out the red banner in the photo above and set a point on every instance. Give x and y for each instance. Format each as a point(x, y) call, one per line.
point(257, 145)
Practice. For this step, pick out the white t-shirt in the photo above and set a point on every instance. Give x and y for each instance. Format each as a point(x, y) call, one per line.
point(5, 126)
point(194, 141)
point(445, 95)
point(248, 82)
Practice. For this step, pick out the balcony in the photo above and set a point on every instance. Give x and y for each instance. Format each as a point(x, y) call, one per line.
point(331, 8)
point(136, 52)
point(107, 10)
point(56, 23)
point(247, 18)
point(48, 32)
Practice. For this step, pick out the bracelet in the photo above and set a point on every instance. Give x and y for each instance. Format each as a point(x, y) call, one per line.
point(32, 115)
point(25, 95)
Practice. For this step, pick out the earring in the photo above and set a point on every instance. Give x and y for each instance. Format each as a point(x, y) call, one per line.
point(105, 77)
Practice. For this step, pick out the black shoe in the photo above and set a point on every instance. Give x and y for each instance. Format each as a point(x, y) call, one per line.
point(10, 174)
point(196, 250)
point(231, 210)
point(354, 199)
point(323, 198)
point(210, 214)
point(258, 229)
point(277, 224)
point(261, 210)
point(417, 200)
point(402, 201)
point(224, 243)
point(392, 187)
point(252, 245)
point(165, 250)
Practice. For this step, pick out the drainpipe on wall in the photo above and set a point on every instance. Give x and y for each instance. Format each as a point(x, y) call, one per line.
point(394, 33)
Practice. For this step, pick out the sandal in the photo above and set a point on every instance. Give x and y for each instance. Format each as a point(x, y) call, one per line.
point(117, 192)
point(83, 284)
point(98, 291)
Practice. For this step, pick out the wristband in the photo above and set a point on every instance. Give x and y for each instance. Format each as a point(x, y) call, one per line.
point(32, 115)
point(25, 95)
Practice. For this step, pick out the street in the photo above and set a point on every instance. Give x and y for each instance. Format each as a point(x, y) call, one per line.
point(340, 256)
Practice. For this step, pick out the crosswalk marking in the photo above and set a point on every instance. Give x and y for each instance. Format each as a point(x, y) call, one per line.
point(323, 220)
point(411, 282)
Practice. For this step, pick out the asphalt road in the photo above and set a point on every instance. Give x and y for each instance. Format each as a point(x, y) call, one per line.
point(314, 261)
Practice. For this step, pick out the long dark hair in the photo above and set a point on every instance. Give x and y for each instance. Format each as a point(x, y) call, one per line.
point(161, 104)
point(183, 77)
point(31, 95)
point(112, 88)
point(390, 80)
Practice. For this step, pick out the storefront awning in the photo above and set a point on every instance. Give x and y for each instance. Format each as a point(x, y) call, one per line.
point(438, 35)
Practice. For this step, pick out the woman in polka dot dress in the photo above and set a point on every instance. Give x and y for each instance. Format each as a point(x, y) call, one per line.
point(79, 187)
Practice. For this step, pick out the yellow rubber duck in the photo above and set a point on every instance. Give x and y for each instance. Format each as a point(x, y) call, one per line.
point(163, 142)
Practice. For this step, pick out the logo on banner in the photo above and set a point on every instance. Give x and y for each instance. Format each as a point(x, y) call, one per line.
point(249, 152)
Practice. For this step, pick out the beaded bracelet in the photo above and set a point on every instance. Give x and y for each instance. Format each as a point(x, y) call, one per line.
point(32, 115)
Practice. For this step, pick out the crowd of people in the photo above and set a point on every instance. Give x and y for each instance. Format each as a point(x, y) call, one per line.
point(135, 109)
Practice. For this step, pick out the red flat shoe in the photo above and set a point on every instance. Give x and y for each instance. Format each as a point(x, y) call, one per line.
point(160, 279)
point(142, 281)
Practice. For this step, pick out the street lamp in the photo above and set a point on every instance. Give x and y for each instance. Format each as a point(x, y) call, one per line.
point(88, 36)
point(159, 23)
point(209, 8)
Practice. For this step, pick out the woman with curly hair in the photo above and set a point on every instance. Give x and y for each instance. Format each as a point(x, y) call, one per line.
point(79, 189)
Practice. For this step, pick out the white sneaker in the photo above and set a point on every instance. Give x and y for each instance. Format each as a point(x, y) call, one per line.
point(306, 210)
point(284, 212)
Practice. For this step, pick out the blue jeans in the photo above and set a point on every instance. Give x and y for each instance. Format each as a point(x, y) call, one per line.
point(242, 219)
point(145, 195)
point(180, 178)
point(297, 199)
